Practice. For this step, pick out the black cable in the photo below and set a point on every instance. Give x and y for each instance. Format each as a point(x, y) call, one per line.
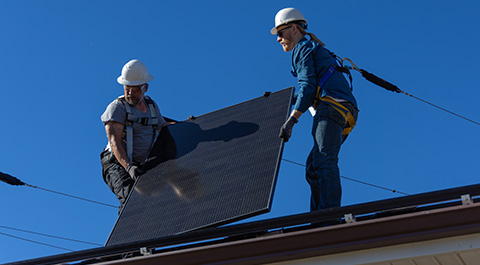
point(36, 242)
point(71, 196)
point(9, 179)
point(358, 181)
point(58, 237)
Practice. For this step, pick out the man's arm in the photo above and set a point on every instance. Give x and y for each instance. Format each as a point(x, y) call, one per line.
point(114, 133)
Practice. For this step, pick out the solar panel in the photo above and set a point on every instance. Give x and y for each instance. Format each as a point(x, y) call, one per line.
point(207, 171)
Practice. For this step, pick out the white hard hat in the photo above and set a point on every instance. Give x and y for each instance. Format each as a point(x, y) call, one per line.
point(134, 73)
point(285, 16)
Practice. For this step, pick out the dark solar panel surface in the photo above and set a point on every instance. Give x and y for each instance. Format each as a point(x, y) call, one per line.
point(215, 169)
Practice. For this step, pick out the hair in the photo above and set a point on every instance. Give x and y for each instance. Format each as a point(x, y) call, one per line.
point(312, 36)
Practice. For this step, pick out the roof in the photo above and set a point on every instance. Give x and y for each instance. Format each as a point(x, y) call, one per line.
point(440, 226)
point(443, 234)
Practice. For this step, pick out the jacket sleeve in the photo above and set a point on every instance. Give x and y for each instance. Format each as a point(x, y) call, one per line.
point(304, 66)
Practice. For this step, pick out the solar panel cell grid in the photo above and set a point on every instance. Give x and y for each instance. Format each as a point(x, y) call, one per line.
point(218, 168)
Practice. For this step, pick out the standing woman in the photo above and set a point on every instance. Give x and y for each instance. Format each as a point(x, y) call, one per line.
point(325, 89)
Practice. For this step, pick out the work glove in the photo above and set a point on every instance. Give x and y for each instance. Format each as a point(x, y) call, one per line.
point(134, 171)
point(286, 130)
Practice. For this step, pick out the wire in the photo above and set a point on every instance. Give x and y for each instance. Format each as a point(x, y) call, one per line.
point(9, 179)
point(71, 196)
point(36, 242)
point(431, 104)
point(376, 186)
point(358, 181)
point(58, 237)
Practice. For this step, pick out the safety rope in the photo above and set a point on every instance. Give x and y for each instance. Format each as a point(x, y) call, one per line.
point(431, 104)
point(391, 87)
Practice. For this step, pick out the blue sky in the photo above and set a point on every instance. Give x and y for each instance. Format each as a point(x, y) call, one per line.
point(60, 61)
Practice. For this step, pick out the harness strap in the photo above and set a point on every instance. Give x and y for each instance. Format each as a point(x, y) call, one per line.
point(153, 119)
point(347, 115)
point(153, 114)
point(322, 82)
point(131, 118)
point(129, 130)
point(347, 72)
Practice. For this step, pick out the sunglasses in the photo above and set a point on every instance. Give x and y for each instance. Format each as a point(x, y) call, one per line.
point(280, 32)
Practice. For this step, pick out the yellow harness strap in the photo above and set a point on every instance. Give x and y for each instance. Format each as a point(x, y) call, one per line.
point(347, 115)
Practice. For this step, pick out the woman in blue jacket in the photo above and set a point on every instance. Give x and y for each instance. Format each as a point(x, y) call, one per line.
point(325, 89)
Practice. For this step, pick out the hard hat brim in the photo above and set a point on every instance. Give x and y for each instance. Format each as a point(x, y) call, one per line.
point(274, 30)
point(123, 81)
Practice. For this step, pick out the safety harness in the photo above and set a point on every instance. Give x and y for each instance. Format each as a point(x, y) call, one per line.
point(347, 115)
point(132, 118)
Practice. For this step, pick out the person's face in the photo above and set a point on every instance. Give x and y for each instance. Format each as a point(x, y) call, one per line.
point(285, 37)
point(133, 94)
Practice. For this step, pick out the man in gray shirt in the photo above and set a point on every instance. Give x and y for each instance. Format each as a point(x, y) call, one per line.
point(131, 123)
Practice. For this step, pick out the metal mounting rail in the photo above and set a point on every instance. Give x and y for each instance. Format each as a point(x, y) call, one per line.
point(429, 200)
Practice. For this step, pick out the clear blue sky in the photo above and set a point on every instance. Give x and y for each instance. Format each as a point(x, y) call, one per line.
point(60, 61)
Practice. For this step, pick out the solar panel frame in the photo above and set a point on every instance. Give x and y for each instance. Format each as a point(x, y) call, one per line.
point(192, 178)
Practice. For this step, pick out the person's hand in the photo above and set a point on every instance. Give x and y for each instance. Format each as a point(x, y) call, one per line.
point(134, 171)
point(286, 130)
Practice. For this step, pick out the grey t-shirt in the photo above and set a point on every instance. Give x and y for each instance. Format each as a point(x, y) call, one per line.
point(143, 135)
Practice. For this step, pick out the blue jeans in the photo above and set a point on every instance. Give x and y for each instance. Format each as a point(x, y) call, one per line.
point(322, 172)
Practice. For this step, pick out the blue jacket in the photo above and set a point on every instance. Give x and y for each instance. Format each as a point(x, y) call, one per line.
point(309, 62)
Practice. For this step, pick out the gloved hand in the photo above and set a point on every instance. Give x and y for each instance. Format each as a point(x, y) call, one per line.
point(286, 130)
point(134, 171)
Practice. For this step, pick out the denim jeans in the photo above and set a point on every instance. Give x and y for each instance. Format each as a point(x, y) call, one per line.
point(322, 172)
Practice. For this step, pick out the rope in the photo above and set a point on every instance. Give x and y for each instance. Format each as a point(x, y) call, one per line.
point(358, 181)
